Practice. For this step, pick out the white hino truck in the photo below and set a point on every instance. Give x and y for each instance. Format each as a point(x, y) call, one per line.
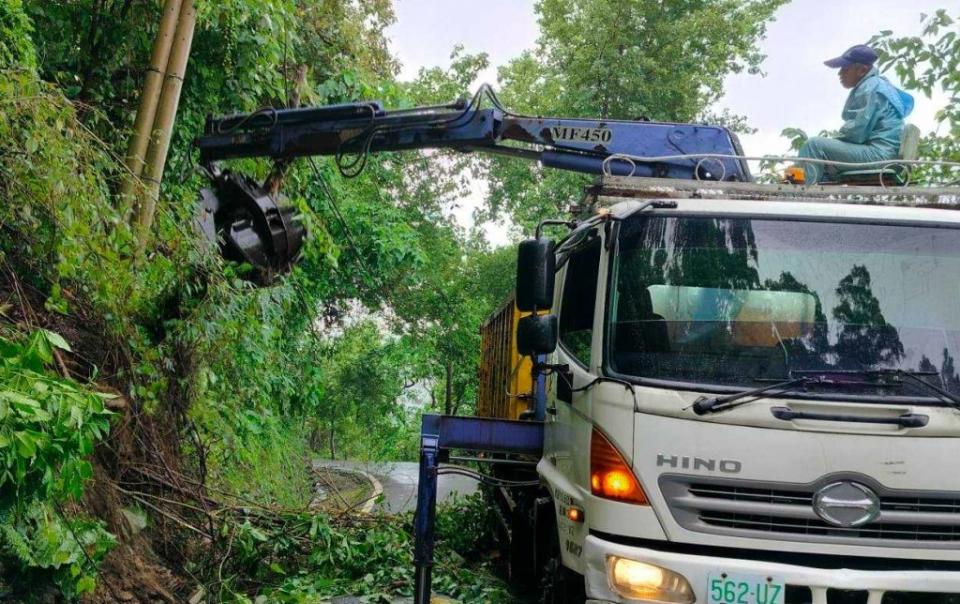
point(754, 398)
point(710, 391)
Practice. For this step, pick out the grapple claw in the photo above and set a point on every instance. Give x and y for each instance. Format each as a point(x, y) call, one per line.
point(251, 226)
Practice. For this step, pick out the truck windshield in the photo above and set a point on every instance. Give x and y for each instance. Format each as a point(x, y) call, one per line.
point(730, 301)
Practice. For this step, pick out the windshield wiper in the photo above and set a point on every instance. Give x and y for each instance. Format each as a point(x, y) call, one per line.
point(843, 377)
point(715, 404)
point(916, 378)
point(825, 377)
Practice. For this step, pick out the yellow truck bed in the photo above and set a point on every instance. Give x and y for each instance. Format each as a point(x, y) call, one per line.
point(505, 382)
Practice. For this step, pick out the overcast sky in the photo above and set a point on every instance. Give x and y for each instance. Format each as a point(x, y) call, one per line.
point(797, 90)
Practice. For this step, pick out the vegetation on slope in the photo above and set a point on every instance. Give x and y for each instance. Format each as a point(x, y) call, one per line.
point(221, 389)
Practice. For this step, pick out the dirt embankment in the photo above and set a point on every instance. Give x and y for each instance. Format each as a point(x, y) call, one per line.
point(138, 468)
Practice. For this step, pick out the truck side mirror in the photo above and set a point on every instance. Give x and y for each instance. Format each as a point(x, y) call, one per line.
point(536, 268)
point(537, 334)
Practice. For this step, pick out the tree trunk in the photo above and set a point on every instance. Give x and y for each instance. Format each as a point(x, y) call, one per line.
point(333, 450)
point(460, 396)
point(448, 398)
point(275, 180)
point(90, 61)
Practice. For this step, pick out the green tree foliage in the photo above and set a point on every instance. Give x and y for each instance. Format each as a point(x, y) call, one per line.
point(241, 52)
point(354, 389)
point(192, 336)
point(620, 60)
point(48, 427)
point(16, 47)
point(255, 373)
point(375, 238)
point(924, 64)
point(437, 308)
point(447, 336)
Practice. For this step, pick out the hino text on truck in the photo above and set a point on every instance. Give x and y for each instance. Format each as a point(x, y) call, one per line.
point(706, 390)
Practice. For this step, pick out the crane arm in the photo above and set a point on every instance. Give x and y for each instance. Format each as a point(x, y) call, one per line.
point(254, 227)
point(352, 131)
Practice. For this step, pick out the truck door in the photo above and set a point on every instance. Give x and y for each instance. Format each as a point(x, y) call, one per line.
point(568, 426)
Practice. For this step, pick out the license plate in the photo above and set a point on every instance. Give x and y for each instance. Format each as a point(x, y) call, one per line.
point(730, 588)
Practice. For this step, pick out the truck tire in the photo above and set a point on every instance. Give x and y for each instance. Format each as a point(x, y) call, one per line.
point(521, 569)
point(558, 584)
point(561, 585)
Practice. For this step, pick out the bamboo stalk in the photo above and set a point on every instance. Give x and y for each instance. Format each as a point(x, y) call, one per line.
point(166, 114)
point(147, 110)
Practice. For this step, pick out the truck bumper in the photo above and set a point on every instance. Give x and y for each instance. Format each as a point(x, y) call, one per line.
point(696, 570)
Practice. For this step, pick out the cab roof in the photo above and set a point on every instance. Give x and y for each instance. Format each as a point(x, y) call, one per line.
point(817, 210)
point(622, 195)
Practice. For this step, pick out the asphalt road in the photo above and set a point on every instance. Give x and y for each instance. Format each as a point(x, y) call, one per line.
point(399, 482)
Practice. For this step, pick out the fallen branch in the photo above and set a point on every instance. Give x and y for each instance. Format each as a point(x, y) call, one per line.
point(180, 521)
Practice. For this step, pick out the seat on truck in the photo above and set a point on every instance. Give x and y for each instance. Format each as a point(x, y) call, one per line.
point(896, 175)
point(639, 328)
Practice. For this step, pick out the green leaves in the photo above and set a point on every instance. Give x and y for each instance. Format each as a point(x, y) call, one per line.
point(26, 443)
point(39, 541)
point(310, 557)
point(928, 64)
point(49, 423)
point(16, 48)
point(608, 58)
point(260, 373)
point(48, 426)
point(54, 339)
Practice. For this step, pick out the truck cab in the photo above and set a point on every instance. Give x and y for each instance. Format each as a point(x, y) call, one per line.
point(832, 481)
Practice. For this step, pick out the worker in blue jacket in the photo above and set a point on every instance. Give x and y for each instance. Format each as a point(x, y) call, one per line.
point(873, 118)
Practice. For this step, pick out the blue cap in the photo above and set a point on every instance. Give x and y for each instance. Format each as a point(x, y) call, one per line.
point(855, 54)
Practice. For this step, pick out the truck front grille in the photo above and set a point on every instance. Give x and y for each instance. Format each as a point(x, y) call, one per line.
point(785, 511)
point(774, 524)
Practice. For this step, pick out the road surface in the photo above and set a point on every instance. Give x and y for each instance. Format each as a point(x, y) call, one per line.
point(399, 482)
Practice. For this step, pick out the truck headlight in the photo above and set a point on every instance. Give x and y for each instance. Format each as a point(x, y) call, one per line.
point(641, 581)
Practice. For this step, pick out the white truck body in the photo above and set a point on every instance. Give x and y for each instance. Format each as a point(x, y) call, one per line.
point(733, 493)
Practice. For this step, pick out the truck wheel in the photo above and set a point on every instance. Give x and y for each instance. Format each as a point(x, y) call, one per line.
point(558, 584)
point(561, 585)
point(520, 556)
